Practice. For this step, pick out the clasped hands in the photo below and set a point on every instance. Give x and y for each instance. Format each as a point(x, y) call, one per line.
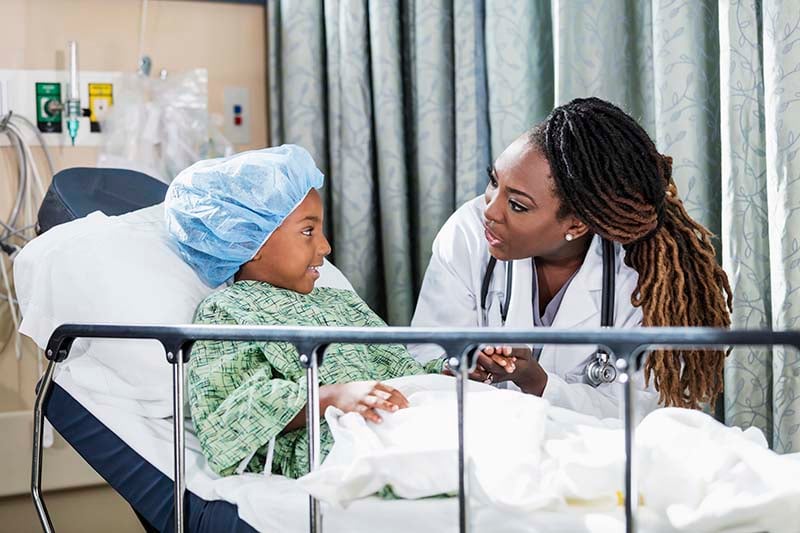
point(496, 364)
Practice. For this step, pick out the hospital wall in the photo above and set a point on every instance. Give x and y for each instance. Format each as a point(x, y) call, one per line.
point(226, 39)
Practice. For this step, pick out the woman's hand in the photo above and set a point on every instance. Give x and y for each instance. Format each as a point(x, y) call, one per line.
point(364, 398)
point(502, 363)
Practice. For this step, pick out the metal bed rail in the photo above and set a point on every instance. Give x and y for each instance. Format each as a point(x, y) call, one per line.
point(628, 346)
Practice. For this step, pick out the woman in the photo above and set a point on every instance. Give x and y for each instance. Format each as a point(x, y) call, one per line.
point(257, 217)
point(589, 171)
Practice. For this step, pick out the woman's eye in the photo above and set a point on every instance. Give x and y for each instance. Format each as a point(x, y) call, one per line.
point(517, 207)
point(307, 232)
point(492, 179)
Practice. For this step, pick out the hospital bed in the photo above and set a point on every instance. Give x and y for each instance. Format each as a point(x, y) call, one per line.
point(156, 464)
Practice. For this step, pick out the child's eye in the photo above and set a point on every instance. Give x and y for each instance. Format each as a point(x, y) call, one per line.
point(308, 231)
point(517, 207)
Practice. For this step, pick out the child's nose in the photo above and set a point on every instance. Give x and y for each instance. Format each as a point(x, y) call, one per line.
point(325, 247)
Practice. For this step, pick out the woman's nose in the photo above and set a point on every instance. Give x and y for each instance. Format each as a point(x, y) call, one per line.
point(492, 212)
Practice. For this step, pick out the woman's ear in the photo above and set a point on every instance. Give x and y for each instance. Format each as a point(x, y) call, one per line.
point(577, 228)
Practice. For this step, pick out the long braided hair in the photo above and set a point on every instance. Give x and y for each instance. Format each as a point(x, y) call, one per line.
point(608, 173)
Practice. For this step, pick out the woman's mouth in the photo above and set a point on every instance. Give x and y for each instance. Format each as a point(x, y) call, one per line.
point(314, 271)
point(493, 240)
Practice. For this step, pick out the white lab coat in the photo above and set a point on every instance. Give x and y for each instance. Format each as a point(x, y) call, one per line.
point(450, 297)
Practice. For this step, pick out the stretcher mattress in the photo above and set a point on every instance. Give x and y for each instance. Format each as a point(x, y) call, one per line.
point(134, 454)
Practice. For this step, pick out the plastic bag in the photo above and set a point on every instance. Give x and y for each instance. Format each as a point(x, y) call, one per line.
point(161, 126)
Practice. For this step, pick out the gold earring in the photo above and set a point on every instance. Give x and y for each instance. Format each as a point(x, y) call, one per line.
point(568, 237)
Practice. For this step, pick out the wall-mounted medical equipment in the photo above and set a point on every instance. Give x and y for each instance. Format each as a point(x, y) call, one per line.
point(64, 112)
point(50, 108)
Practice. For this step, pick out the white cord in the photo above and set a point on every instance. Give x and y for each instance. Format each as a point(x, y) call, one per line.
point(11, 305)
point(7, 284)
point(30, 193)
point(32, 162)
point(27, 195)
point(40, 138)
point(18, 233)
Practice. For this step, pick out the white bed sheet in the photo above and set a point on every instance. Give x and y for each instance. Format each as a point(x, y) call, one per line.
point(275, 503)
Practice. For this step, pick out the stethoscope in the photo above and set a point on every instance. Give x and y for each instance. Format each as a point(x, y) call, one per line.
point(601, 369)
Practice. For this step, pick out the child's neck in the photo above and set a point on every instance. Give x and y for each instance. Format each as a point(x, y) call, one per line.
point(241, 276)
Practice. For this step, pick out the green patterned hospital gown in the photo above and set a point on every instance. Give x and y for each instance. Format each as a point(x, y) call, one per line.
point(242, 394)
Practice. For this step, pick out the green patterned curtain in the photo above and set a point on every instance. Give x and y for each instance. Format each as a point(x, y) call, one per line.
point(760, 139)
point(404, 103)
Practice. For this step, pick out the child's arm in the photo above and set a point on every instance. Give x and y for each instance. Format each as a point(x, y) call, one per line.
point(388, 360)
point(262, 407)
point(392, 360)
point(237, 407)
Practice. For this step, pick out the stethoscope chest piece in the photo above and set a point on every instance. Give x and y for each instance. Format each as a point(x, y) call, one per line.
point(600, 370)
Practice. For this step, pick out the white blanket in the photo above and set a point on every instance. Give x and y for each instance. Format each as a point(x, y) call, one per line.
point(275, 503)
point(524, 455)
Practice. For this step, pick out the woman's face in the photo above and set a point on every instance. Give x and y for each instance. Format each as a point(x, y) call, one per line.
point(520, 219)
point(293, 253)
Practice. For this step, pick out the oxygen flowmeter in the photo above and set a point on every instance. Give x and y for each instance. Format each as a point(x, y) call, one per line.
point(50, 108)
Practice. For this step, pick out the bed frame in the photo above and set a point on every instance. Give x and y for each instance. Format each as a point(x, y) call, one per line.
point(629, 347)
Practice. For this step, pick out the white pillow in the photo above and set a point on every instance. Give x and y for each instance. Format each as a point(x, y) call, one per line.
point(121, 270)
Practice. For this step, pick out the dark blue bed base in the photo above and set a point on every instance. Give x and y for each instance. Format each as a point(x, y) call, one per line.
point(143, 486)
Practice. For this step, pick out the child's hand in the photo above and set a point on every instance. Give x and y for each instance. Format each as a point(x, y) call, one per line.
point(514, 364)
point(494, 363)
point(497, 363)
point(501, 356)
point(365, 398)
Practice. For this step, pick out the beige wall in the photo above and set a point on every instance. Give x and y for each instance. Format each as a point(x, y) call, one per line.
point(226, 39)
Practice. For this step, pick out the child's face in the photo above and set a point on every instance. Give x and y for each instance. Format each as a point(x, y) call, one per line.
point(290, 257)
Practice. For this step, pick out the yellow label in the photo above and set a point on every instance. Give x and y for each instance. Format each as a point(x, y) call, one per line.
point(101, 97)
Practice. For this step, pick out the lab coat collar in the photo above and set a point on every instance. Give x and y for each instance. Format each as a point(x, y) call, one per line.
point(581, 300)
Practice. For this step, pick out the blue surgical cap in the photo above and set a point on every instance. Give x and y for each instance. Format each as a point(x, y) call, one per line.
point(222, 211)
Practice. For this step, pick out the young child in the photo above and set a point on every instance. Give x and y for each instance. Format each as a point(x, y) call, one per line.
point(257, 217)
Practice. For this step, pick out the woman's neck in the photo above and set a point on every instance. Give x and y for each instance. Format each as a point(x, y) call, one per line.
point(552, 273)
point(568, 258)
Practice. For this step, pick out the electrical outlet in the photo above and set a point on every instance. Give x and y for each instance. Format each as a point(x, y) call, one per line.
point(237, 115)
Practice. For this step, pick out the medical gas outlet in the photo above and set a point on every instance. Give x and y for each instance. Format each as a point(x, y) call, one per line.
point(48, 107)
